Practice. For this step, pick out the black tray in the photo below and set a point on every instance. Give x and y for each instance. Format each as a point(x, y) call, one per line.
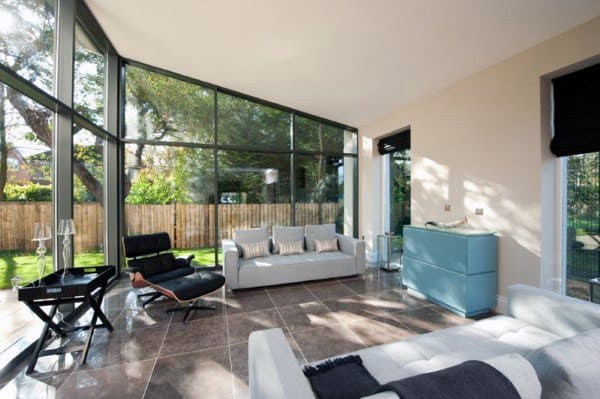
point(82, 280)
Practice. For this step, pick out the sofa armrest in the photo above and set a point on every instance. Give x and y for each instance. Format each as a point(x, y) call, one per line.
point(273, 371)
point(355, 247)
point(558, 314)
point(231, 261)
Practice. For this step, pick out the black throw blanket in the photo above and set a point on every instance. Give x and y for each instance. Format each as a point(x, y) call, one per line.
point(341, 378)
point(468, 380)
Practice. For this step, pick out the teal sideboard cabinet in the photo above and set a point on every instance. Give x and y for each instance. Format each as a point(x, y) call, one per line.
point(455, 268)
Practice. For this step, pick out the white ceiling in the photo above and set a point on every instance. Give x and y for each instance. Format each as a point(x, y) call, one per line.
point(351, 61)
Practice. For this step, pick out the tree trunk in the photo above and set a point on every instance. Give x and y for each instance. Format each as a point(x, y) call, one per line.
point(38, 118)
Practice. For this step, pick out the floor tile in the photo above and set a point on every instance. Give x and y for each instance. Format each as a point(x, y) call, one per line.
point(198, 314)
point(241, 325)
point(247, 301)
point(202, 374)
point(426, 319)
point(24, 386)
point(121, 381)
point(325, 342)
point(394, 300)
point(196, 335)
point(362, 285)
point(380, 330)
point(332, 290)
point(354, 307)
point(151, 316)
point(292, 295)
point(307, 315)
point(122, 346)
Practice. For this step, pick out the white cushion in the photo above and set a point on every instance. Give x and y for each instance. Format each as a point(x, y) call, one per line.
point(314, 232)
point(569, 368)
point(286, 233)
point(250, 236)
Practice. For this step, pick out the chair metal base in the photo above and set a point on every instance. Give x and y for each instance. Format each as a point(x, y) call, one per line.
point(153, 296)
point(191, 306)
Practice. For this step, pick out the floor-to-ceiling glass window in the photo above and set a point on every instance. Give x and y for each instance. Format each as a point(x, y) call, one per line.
point(89, 76)
point(583, 223)
point(325, 169)
point(88, 197)
point(399, 191)
point(247, 178)
point(27, 29)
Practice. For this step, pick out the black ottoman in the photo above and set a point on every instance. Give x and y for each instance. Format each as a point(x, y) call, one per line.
point(189, 289)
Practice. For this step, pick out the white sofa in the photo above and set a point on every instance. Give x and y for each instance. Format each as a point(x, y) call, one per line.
point(545, 337)
point(278, 269)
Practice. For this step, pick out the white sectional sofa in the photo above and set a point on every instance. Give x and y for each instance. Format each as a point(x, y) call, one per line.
point(281, 269)
point(548, 346)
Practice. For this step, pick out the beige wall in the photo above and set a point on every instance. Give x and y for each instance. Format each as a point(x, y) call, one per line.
point(483, 143)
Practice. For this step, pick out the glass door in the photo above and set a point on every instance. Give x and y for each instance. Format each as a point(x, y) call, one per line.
point(398, 201)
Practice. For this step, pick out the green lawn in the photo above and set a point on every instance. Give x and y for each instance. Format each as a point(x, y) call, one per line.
point(24, 263)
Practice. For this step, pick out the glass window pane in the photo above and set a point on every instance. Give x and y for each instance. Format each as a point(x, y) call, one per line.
point(254, 191)
point(27, 40)
point(171, 189)
point(312, 135)
point(88, 206)
point(251, 125)
point(89, 68)
point(25, 184)
point(159, 107)
point(323, 193)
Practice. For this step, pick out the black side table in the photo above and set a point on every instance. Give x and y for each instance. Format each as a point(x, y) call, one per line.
point(86, 286)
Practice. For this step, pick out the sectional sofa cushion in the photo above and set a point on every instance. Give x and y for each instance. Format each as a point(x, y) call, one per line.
point(314, 232)
point(286, 233)
point(291, 247)
point(568, 368)
point(255, 249)
point(250, 236)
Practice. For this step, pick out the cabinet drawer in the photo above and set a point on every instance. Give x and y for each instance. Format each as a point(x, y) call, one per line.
point(467, 254)
point(436, 248)
point(465, 294)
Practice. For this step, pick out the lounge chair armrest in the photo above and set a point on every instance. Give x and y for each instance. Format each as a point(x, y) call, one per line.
point(231, 260)
point(355, 247)
point(273, 370)
point(559, 314)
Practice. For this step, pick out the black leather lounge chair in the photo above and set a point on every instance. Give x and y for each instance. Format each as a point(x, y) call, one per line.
point(151, 265)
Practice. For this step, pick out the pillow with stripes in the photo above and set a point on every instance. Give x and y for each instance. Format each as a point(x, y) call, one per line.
point(291, 247)
point(326, 245)
point(255, 249)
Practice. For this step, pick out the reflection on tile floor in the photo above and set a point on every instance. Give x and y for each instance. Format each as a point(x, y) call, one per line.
point(151, 354)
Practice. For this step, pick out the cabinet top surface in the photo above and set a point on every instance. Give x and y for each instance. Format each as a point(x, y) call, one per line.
point(462, 231)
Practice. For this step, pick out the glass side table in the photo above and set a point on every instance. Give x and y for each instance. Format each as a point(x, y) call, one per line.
point(595, 290)
point(389, 252)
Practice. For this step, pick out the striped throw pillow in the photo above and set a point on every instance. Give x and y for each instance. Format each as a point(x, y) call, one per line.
point(291, 247)
point(326, 245)
point(255, 249)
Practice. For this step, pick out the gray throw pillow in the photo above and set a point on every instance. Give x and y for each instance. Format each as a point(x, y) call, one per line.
point(291, 247)
point(568, 368)
point(287, 233)
point(318, 232)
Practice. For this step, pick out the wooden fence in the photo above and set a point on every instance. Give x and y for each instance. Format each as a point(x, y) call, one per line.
point(189, 225)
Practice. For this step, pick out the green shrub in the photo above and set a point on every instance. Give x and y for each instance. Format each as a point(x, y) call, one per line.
point(28, 192)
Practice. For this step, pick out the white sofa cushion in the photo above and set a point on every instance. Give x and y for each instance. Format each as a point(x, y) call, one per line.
point(568, 368)
point(482, 340)
point(250, 236)
point(314, 232)
point(286, 233)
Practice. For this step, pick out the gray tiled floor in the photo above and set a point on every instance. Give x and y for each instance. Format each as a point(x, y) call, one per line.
point(151, 354)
